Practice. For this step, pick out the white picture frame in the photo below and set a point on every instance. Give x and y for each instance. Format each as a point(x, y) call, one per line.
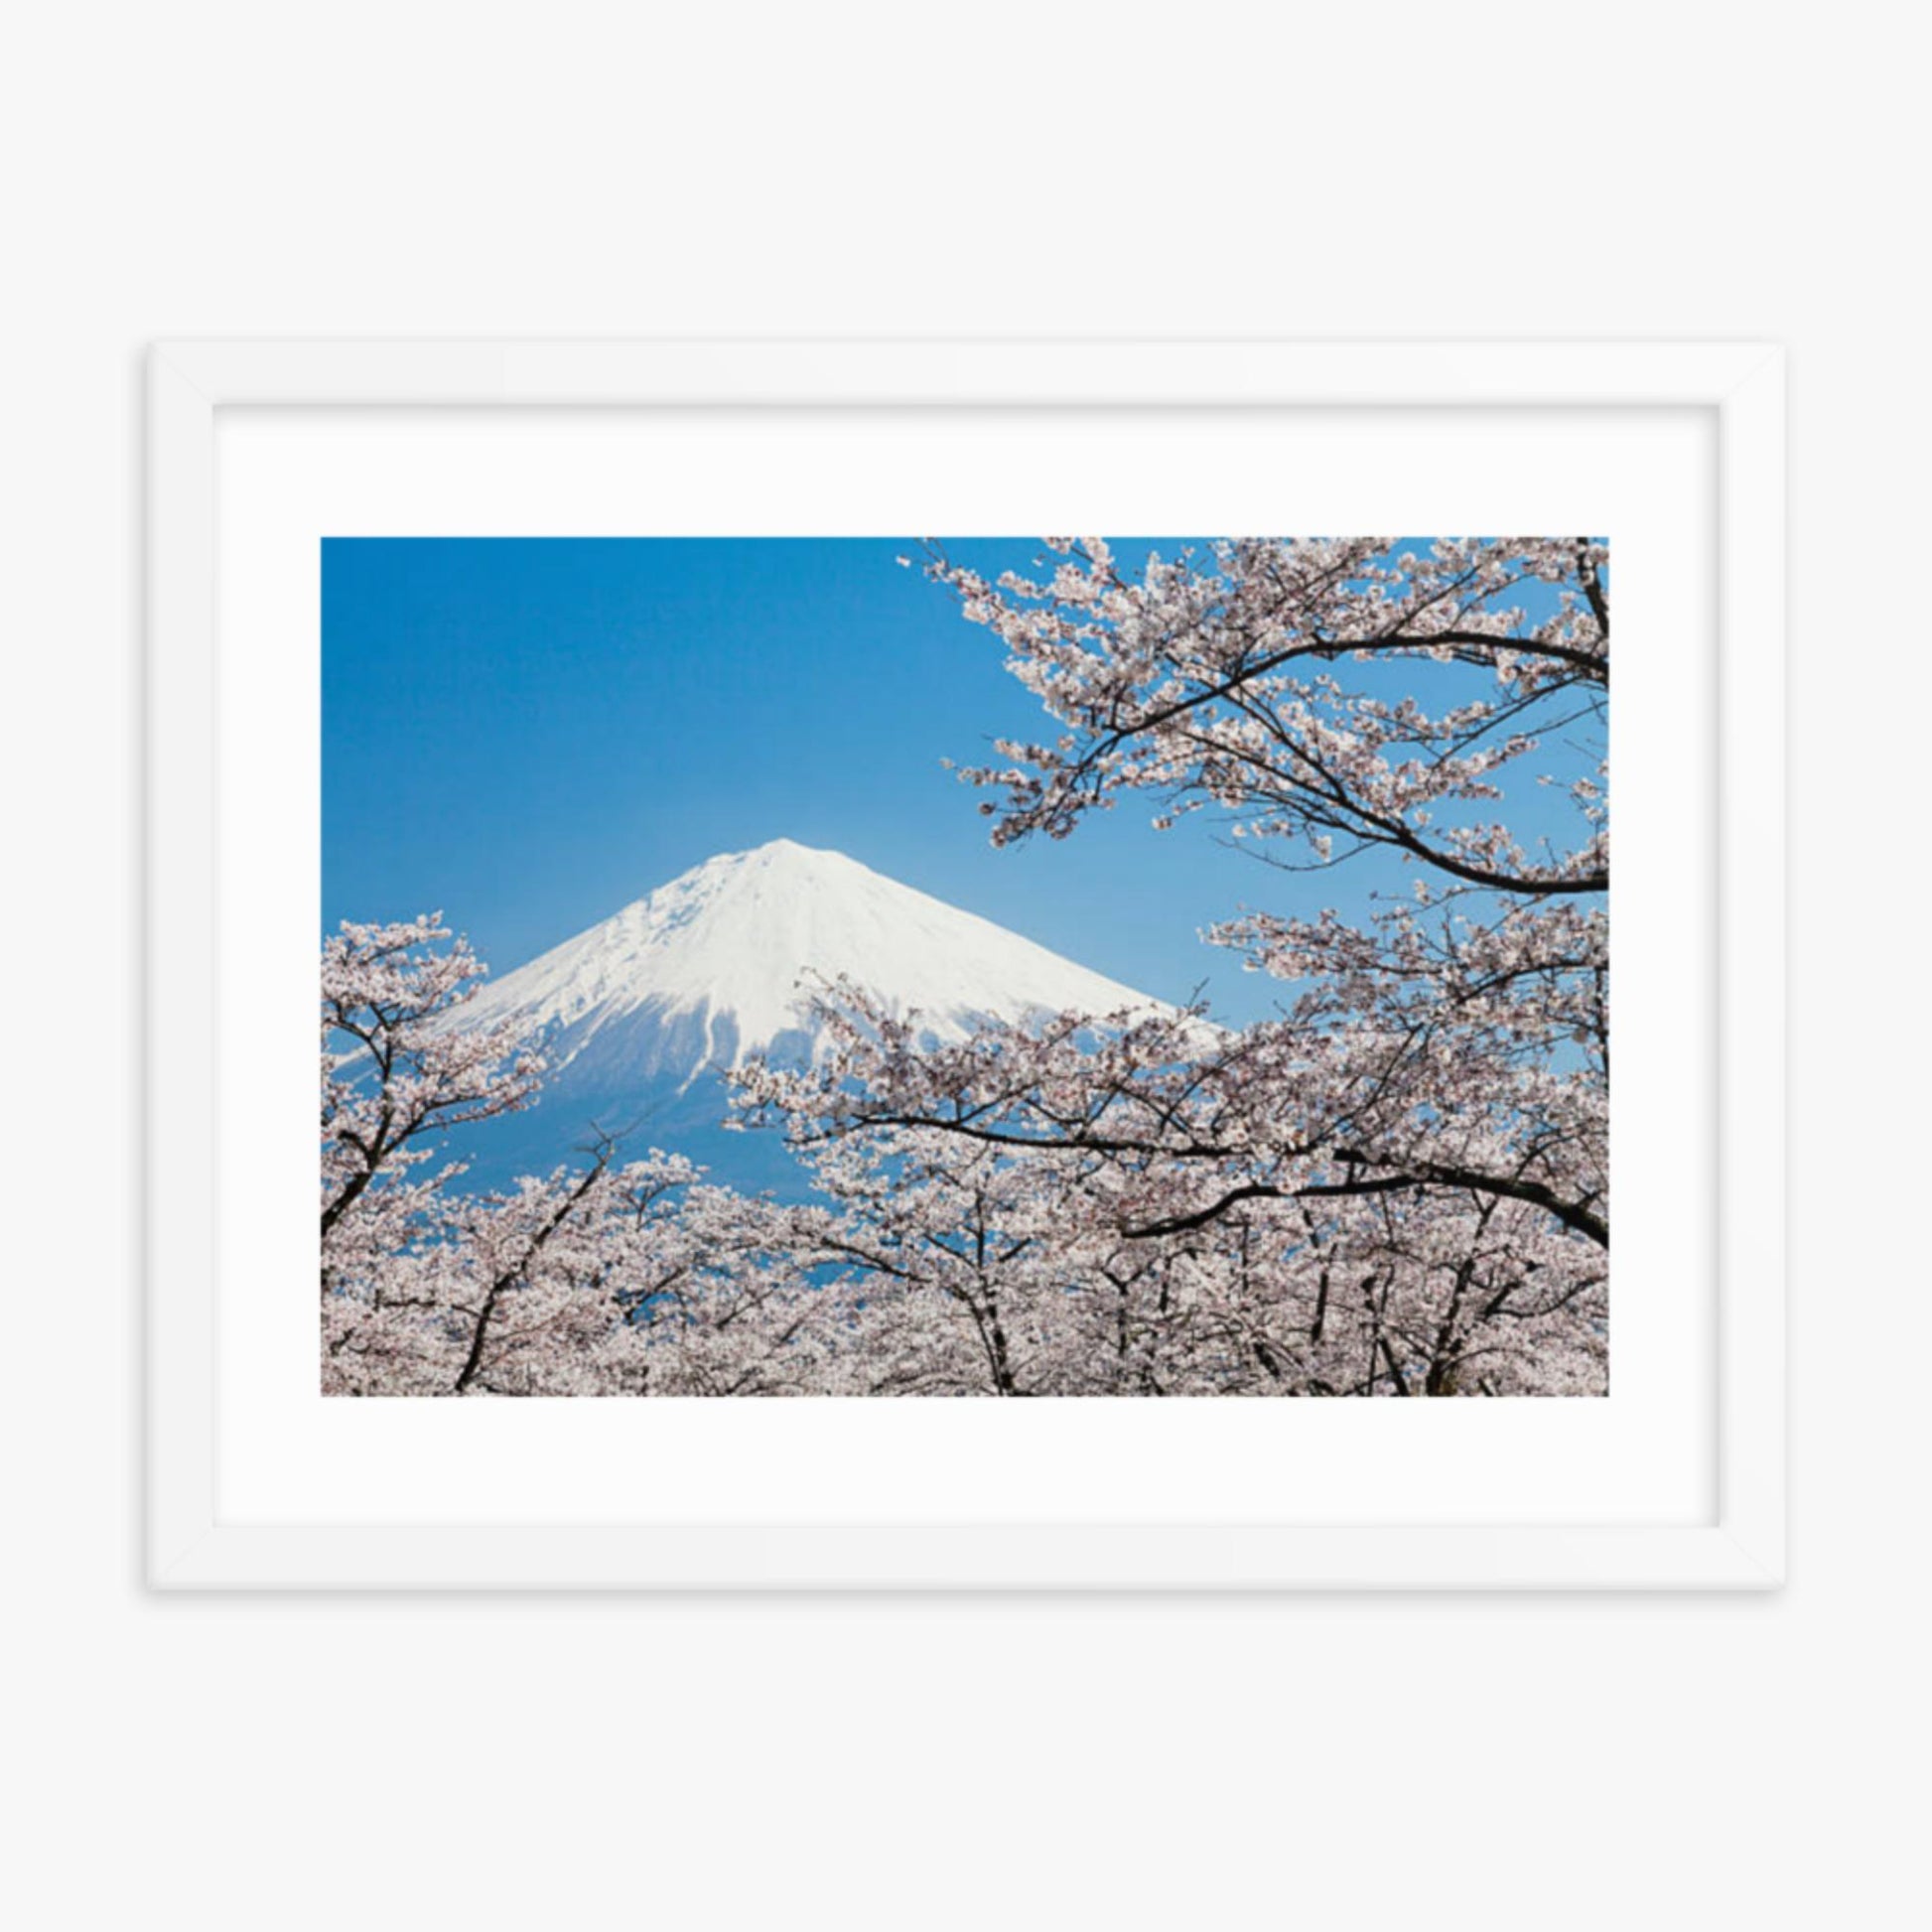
point(190, 1543)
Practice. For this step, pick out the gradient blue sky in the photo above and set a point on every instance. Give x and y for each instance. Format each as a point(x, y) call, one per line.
point(530, 734)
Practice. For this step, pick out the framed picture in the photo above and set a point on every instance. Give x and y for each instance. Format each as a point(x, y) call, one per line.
point(799, 952)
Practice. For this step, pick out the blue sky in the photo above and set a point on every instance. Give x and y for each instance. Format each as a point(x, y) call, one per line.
point(530, 734)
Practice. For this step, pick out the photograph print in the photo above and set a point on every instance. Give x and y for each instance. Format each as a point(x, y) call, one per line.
point(1143, 966)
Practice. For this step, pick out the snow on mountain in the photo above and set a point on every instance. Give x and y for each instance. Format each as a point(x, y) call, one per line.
point(715, 966)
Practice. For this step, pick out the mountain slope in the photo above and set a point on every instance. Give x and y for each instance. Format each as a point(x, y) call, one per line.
point(640, 1015)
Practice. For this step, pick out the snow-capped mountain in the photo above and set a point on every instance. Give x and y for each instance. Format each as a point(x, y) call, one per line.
point(640, 1015)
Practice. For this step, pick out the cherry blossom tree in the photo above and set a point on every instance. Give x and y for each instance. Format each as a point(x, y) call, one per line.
point(396, 1073)
point(1218, 682)
point(614, 1278)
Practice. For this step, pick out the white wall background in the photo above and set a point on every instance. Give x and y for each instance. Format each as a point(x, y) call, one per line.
point(1460, 171)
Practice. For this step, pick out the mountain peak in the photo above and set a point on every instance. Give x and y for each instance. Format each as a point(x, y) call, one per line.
point(787, 854)
point(722, 961)
point(772, 852)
